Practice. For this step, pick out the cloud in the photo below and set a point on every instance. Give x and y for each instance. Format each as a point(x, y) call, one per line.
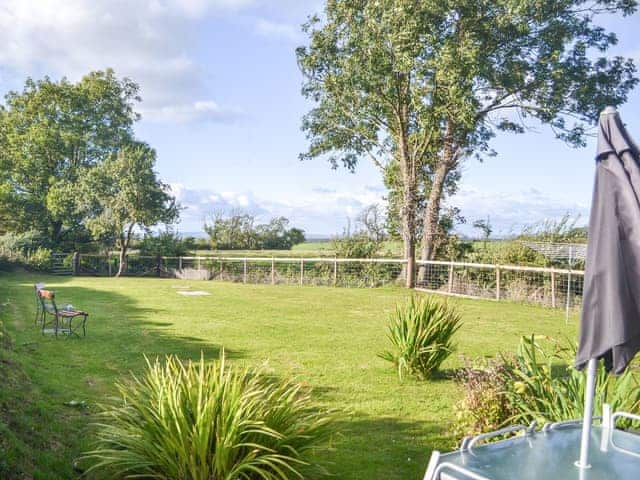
point(149, 41)
point(200, 111)
point(510, 212)
point(320, 212)
point(281, 30)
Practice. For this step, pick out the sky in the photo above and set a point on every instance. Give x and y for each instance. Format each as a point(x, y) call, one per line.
point(222, 107)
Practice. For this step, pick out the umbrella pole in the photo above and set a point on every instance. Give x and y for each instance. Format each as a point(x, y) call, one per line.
point(587, 420)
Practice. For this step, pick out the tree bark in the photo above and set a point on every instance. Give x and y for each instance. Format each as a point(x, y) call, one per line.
point(124, 245)
point(432, 210)
point(122, 266)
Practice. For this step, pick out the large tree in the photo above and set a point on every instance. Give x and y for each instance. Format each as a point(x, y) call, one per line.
point(417, 86)
point(122, 194)
point(49, 132)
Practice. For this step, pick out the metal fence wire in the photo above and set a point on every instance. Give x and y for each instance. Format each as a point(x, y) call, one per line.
point(552, 287)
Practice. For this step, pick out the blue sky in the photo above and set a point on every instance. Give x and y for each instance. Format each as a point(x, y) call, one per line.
point(222, 106)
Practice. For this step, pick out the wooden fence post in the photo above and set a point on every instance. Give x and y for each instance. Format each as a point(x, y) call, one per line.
point(158, 265)
point(450, 286)
point(199, 264)
point(335, 271)
point(553, 289)
point(273, 271)
point(497, 284)
point(179, 263)
point(109, 263)
point(244, 270)
point(302, 271)
point(221, 268)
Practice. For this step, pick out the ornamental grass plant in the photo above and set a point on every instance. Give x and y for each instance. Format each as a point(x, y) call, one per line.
point(421, 335)
point(208, 421)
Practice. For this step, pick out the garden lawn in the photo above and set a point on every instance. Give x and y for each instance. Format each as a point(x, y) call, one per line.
point(326, 337)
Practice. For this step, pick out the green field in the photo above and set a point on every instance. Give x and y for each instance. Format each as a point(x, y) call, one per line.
point(326, 337)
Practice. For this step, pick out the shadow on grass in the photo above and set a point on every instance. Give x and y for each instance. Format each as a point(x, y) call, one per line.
point(385, 448)
point(50, 372)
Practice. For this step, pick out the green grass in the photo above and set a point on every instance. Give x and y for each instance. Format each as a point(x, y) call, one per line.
point(326, 337)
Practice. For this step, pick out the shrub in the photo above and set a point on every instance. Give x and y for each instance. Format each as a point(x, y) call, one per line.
point(539, 384)
point(168, 243)
point(484, 406)
point(547, 388)
point(197, 421)
point(421, 334)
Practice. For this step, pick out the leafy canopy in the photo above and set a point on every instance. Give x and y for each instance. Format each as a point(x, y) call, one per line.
point(392, 78)
point(49, 132)
point(124, 192)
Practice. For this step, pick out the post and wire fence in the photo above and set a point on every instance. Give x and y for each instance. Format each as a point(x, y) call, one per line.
point(551, 287)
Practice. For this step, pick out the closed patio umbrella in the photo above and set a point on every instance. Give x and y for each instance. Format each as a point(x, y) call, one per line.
point(610, 323)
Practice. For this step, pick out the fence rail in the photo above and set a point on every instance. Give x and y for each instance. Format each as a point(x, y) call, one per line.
point(553, 287)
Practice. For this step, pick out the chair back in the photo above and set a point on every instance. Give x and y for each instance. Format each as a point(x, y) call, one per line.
point(48, 300)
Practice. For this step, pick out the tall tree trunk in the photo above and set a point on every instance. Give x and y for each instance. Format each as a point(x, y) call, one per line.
point(432, 210)
point(408, 214)
point(122, 265)
point(124, 246)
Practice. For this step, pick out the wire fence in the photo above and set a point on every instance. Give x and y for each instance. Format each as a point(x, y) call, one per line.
point(552, 287)
point(339, 272)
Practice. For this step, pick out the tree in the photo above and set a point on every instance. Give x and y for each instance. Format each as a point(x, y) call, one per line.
point(239, 230)
point(485, 228)
point(124, 193)
point(49, 133)
point(418, 86)
point(499, 65)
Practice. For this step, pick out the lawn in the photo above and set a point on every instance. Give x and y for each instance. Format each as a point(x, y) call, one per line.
point(326, 337)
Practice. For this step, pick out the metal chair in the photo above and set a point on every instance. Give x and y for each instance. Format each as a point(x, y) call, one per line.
point(37, 287)
point(62, 318)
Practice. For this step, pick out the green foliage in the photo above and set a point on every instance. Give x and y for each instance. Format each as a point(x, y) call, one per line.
point(25, 250)
point(199, 421)
point(538, 383)
point(421, 334)
point(357, 245)
point(239, 231)
point(547, 388)
point(167, 243)
point(124, 192)
point(483, 407)
point(563, 230)
point(418, 87)
point(49, 133)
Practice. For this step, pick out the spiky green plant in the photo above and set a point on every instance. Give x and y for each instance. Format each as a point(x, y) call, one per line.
point(207, 421)
point(545, 387)
point(421, 334)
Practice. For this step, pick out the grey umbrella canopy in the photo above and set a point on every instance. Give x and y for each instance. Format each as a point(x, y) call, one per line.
point(610, 324)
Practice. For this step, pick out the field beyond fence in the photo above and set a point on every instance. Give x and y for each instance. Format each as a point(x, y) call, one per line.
point(552, 287)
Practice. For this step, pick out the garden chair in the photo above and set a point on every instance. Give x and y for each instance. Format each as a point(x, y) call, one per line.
point(63, 320)
point(37, 287)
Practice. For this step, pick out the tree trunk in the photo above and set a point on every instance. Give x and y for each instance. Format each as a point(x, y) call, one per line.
point(408, 214)
point(122, 267)
point(432, 210)
point(124, 245)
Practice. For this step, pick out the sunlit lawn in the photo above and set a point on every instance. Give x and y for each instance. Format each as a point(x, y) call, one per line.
point(326, 337)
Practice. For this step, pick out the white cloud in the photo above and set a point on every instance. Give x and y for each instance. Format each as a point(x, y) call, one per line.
point(320, 212)
point(285, 31)
point(510, 212)
point(149, 41)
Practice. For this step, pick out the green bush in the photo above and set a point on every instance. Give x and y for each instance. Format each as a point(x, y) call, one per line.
point(421, 334)
point(538, 383)
point(484, 407)
point(547, 388)
point(198, 421)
